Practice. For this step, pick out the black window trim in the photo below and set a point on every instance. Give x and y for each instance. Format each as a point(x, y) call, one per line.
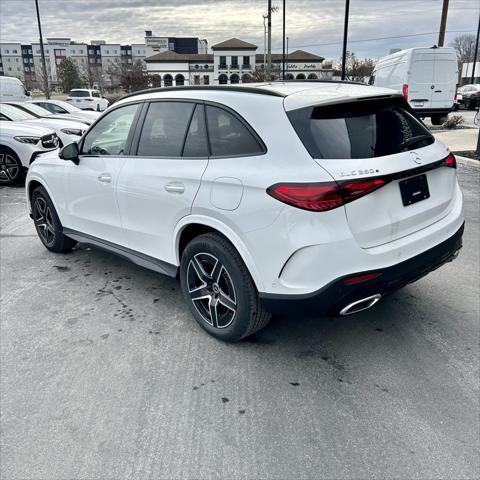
point(133, 128)
point(133, 152)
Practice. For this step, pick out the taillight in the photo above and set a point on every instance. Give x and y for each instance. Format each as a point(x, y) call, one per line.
point(456, 93)
point(361, 278)
point(450, 161)
point(320, 197)
point(405, 91)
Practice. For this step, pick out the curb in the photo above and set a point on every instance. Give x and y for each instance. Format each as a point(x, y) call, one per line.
point(467, 161)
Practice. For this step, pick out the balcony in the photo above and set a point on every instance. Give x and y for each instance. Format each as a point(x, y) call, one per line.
point(246, 66)
point(222, 66)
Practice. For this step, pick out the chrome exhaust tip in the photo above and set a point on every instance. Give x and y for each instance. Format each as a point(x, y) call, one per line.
point(360, 305)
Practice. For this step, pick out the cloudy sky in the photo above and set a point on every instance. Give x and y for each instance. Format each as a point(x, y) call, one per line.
point(313, 25)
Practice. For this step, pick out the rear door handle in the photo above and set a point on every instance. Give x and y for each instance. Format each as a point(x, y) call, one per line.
point(105, 178)
point(175, 187)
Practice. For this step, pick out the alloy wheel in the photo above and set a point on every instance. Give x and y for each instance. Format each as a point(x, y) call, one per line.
point(9, 168)
point(211, 290)
point(42, 216)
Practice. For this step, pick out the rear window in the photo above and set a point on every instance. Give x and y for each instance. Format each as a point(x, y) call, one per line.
point(358, 130)
point(79, 93)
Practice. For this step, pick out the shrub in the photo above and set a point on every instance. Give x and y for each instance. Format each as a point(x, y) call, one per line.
point(454, 121)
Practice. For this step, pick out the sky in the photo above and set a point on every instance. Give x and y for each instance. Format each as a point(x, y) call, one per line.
point(312, 25)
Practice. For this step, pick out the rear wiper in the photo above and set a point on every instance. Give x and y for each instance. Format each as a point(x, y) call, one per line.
point(414, 140)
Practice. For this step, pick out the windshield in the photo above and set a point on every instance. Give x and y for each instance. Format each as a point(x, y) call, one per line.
point(67, 106)
point(15, 114)
point(79, 93)
point(35, 109)
point(368, 129)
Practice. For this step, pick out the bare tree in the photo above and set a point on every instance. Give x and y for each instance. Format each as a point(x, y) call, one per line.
point(358, 69)
point(465, 47)
point(130, 76)
point(92, 76)
point(41, 80)
point(259, 74)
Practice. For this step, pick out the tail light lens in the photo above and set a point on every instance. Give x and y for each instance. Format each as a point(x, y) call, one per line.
point(405, 91)
point(320, 197)
point(450, 161)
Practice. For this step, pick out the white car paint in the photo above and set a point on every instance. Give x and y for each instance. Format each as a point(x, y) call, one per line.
point(126, 199)
point(59, 107)
point(87, 99)
point(12, 89)
point(426, 76)
point(58, 125)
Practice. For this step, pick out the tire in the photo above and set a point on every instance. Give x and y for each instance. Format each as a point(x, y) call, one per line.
point(48, 226)
point(11, 168)
point(219, 290)
point(98, 107)
point(438, 119)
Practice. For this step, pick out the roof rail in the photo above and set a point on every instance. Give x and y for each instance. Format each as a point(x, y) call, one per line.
point(228, 88)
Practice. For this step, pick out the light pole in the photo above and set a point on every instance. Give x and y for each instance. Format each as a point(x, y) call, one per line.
point(265, 41)
point(443, 24)
point(345, 35)
point(44, 65)
point(269, 48)
point(472, 80)
point(283, 42)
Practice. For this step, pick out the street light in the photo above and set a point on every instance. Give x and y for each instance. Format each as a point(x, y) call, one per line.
point(345, 34)
point(44, 65)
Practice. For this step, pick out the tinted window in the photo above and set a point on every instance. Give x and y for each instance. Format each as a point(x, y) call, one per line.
point(51, 107)
point(96, 94)
point(164, 129)
point(196, 144)
point(357, 131)
point(15, 114)
point(228, 136)
point(79, 93)
point(109, 136)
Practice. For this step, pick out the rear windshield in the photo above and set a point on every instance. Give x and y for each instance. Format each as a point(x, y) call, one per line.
point(79, 93)
point(358, 130)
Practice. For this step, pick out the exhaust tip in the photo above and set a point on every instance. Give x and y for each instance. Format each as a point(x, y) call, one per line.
point(360, 305)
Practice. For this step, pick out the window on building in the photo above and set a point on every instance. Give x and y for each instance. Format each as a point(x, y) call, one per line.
point(223, 61)
point(164, 129)
point(196, 79)
point(206, 80)
point(196, 144)
point(7, 51)
point(234, 61)
point(246, 61)
point(14, 51)
point(109, 136)
point(228, 136)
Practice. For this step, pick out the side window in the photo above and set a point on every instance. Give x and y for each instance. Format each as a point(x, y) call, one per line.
point(96, 94)
point(109, 136)
point(228, 136)
point(196, 144)
point(164, 129)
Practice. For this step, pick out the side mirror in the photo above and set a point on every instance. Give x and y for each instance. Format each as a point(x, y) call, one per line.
point(70, 152)
point(28, 93)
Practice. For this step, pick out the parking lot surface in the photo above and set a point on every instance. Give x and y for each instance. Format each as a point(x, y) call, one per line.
point(104, 374)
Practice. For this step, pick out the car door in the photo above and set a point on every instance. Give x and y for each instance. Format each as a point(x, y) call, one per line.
point(158, 184)
point(91, 207)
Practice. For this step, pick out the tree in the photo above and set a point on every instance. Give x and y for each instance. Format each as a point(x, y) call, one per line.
point(41, 81)
point(69, 75)
point(358, 69)
point(130, 76)
point(260, 74)
point(465, 47)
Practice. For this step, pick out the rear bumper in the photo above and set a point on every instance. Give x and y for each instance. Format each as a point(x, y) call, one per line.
point(428, 112)
point(335, 296)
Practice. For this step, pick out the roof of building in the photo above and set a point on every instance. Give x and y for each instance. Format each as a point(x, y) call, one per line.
point(234, 44)
point(297, 55)
point(170, 56)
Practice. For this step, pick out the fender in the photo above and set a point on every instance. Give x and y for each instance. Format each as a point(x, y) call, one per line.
point(37, 178)
point(232, 236)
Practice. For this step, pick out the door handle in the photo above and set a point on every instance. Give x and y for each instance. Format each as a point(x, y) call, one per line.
point(175, 187)
point(105, 178)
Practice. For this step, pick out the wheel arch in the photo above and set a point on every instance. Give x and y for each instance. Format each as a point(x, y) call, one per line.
point(193, 226)
point(31, 184)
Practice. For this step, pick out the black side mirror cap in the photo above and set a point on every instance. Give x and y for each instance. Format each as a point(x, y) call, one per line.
point(70, 152)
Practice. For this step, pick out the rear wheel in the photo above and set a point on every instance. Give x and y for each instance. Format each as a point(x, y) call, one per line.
point(438, 119)
point(11, 169)
point(47, 223)
point(219, 289)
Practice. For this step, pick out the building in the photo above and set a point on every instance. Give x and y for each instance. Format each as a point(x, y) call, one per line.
point(467, 70)
point(233, 61)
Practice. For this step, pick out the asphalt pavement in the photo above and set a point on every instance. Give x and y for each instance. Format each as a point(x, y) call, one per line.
point(105, 375)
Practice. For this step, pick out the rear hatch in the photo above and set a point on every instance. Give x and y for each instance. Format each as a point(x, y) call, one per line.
point(378, 139)
point(420, 79)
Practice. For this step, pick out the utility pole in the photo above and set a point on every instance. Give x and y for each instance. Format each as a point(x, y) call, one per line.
point(472, 80)
point(283, 39)
point(443, 24)
point(269, 47)
point(44, 64)
point(345, 36)
point(265, 41)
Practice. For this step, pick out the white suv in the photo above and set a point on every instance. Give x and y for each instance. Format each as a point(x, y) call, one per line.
point(87, 99)
point(303, 196)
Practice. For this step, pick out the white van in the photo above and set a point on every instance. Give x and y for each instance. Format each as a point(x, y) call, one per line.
point(426, 77)
point(12, 89)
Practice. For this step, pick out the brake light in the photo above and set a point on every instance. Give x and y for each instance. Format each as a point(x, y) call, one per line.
point(361, 278)
point(320, 197)
point(450, 161)
point(405, 91)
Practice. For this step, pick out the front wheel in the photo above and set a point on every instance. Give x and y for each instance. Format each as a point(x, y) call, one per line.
point(48, 226)
point(219, 289)
point(11, 169)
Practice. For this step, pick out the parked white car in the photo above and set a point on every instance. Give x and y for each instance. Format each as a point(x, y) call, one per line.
point(301, 196)
point(426, 77)
point(12, 89)
point(87, 99)
point(67, 130)
point(59, 107)
point(20, 144)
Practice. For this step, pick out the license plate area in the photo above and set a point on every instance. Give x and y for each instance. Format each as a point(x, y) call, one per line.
point(414, 190)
